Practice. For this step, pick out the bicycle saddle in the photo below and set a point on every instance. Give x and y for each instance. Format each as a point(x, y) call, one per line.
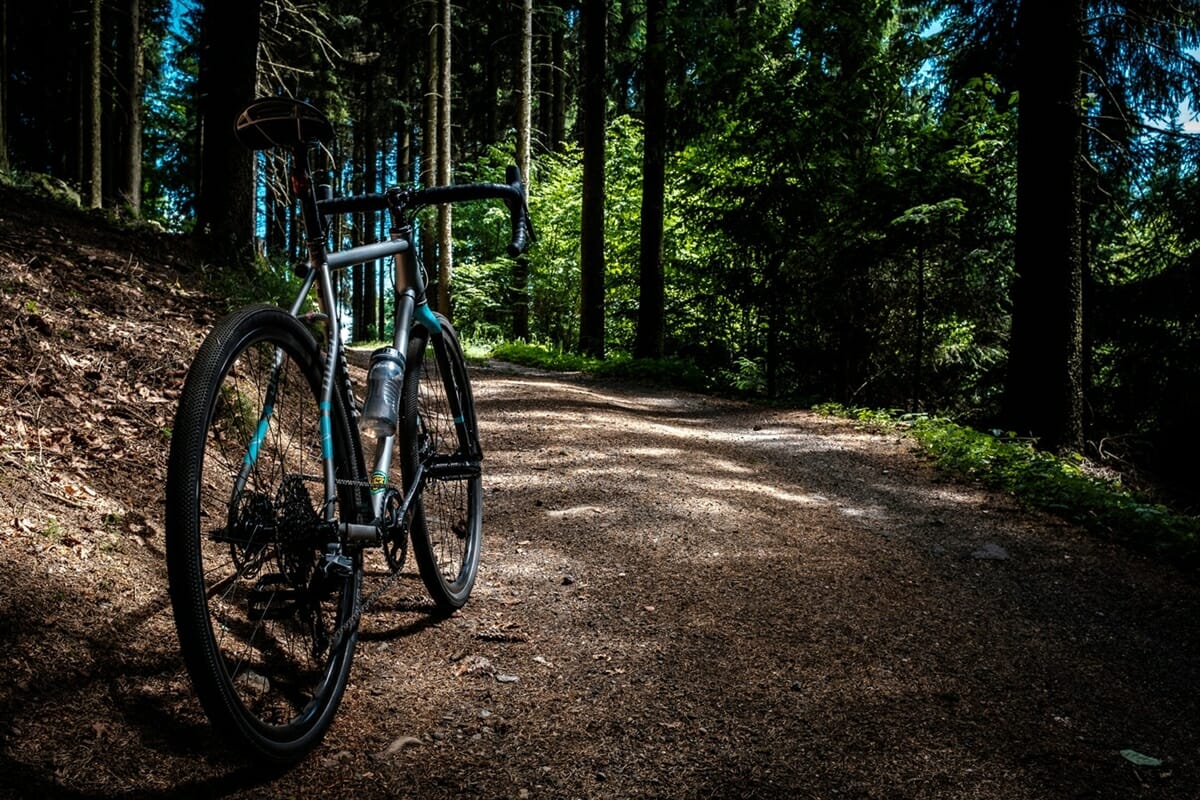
point(281, 122)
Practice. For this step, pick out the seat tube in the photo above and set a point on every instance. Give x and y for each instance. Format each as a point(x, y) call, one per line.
point(317, 263)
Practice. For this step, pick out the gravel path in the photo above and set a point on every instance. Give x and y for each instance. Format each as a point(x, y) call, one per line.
point(680, 597)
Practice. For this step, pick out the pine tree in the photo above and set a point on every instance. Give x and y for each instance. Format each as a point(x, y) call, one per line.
point(520, 288)
point(651, 315)
point(4, 165)
point(131, 183)
point(228, 74)
point(445, 213)
point(94, 151)
point(592, 118)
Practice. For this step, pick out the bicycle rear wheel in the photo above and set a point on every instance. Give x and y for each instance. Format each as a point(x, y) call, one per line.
point(438, 432)
point(258, 616)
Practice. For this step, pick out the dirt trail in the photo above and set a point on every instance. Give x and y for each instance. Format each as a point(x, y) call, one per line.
point(680, 597)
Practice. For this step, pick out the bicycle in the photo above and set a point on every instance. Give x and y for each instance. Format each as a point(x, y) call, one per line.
point(270, 507)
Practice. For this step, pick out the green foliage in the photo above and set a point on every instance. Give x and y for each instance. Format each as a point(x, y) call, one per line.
point(170, 138)
point(840, 180)
point(484, 278)
point(267, 282)
point(544, 357)
point(839, 215)
point(746, 376)
point(1062, 485)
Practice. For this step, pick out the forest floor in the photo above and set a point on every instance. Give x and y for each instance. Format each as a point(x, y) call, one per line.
point(680, 596)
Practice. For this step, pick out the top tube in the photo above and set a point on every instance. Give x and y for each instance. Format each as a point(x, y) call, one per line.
point(364, 253)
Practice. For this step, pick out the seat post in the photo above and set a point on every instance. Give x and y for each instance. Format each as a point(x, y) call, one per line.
point(314, 230)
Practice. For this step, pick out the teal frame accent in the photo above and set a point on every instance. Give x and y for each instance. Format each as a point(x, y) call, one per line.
point(326, 431)
point(260, 435)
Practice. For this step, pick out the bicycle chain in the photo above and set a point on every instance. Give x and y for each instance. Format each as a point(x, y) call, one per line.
point(363, 605)
point(352, 621)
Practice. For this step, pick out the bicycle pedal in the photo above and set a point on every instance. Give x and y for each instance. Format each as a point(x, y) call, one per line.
point(273, 598)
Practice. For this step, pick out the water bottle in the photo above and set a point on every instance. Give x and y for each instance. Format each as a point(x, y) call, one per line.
point(383, 393)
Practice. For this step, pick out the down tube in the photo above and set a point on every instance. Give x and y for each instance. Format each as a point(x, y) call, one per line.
point(405, 302)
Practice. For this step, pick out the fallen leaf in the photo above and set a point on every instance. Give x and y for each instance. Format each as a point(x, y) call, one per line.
point(400, 744)
point(1134, 757)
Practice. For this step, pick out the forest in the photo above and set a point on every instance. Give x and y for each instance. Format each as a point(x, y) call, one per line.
point(977, 208)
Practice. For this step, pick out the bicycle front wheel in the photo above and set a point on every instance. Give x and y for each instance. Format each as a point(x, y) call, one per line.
point(265, 627)
point(439, 440)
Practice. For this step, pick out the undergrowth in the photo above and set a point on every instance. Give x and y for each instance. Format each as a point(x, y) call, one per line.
point(1061, 485)
point(263, 282)
point(662, 371)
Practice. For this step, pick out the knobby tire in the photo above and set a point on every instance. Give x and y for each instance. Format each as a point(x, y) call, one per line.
point(447, 519)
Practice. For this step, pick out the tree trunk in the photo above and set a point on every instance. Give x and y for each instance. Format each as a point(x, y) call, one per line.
point(445, 212)
point(228, 64)
point(4, 164)
point(558, 91)
point(525, 105)
point(545, 79)
point(1045, 391)
point(520, 283)
point(131, 189)
point(490, 112)
point(591, 320)
point(370, 223)
point(278, 208)
point(403, 145)
point(429, 130)
point(94, 190)
point(358, 237)
point(651, 313)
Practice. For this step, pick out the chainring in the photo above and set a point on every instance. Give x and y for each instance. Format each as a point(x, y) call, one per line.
point(395, 531)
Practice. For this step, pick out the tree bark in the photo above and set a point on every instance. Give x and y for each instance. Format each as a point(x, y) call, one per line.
point(370, 223)
point(445, 212)
point(520, 283)
point(228, 66)
point(94, 190)
point(358, 237)
point(651, 312)
point(1044, 394)
point(429, 128)
point(131, 190)
point(558, 87)
point(592, 114)
point(4, 163)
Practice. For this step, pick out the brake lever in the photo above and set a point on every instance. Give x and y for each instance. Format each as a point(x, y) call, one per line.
point(522, 225)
